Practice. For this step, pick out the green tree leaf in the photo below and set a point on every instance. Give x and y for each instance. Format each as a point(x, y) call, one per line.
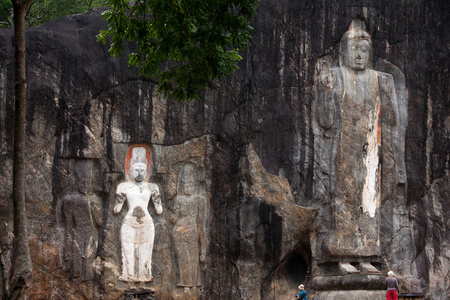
point(181, 44)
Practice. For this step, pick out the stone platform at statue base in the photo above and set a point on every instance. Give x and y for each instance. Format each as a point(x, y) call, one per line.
point(360, 295)
point(349, 282)
point(350, 294)
point(411, 296)
point(139, 294)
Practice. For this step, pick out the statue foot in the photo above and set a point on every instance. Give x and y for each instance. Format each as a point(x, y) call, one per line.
point(347, 268)
point(369, 268)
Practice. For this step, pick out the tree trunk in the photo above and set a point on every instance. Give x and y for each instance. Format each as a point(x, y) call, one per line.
point(21, 261)
point(5, 290)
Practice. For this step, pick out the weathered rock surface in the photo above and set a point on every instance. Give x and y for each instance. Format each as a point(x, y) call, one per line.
point(85, 109)
point(273, 232)
point(437, 250)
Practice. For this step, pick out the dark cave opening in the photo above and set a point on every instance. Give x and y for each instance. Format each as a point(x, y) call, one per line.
point(295, 270)
point(288, 275)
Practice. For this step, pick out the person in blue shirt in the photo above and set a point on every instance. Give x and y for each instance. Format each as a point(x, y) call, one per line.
point(302, 293)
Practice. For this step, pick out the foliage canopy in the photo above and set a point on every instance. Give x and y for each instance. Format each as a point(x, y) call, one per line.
point(43, 11)
point(5, 13)
point(182, 44)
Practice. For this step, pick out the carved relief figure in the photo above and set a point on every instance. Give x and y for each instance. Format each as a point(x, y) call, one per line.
point(137, 233)
point(82, 217)
point(189, 231)
point(356, 136)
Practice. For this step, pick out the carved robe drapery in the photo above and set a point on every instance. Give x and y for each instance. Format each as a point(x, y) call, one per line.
point(363, 143)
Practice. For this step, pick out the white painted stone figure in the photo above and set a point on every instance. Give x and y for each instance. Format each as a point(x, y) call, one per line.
point(189, 232)
point(137, 233)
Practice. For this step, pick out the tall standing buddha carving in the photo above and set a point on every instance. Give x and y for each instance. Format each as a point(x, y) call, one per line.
point(356, 140)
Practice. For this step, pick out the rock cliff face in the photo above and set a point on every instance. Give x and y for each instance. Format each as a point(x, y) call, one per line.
point(249, 144)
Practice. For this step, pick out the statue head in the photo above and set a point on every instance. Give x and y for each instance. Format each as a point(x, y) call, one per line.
point(137, 164)
point(138, 171)
point(187, 179)
point(355, 47)
point(83, 174)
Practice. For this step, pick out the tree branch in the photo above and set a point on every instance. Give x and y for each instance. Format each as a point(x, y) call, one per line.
point(6, 23)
